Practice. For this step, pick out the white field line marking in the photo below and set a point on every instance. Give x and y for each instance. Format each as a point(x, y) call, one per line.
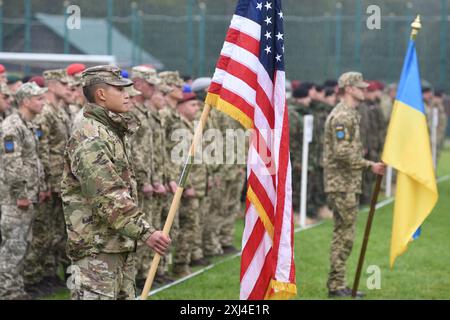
point(380, 204)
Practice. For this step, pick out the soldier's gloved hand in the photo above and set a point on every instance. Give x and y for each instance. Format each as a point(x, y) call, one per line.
point(378, 168)
point(159, 189)
point(173, 186)
point(189, 193)
point(159, 242)
point(147, 189)
point(23, 203)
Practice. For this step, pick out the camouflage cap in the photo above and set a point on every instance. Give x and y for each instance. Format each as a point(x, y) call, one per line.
point(75, 80)
point(56, 74)
point(148, 74)
point(104, 74)
point(4, 89)
point(28, 90)
point(164, 88)
point(133, 92)
point(354, 79)
point(171, 78)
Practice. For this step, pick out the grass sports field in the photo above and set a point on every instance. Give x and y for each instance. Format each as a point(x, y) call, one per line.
point(421, 273)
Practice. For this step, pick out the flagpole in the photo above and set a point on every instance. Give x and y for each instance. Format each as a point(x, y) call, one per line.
point(416, 26)
point(366, 234)
point(176, 198)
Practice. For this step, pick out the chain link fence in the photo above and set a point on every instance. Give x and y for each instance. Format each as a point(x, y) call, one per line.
point(322, 40)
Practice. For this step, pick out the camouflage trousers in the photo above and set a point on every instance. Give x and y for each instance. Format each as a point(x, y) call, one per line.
point(106, 276)
point(60, 232)
point(40, 260)
point(213, 219)
point(189, 225)
point(316, 191)
point(144, 254)
point(16, 230)
point(203, 212)
point(345, 211)
point(231, 208)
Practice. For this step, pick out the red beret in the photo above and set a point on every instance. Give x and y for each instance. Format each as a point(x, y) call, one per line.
point(39, 80)
point(75, 68)
point(188, 96)
point(375, 85)
point(2, 68)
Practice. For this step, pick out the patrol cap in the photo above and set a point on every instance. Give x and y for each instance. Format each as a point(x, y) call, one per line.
point(171, 78)
point(144, 72)
point(132, 91)
point(4, 89)
point(353, 79)
point(104, 74)
point(426, 86)
point(28, 90)
point(164, 88)
point(56, 74)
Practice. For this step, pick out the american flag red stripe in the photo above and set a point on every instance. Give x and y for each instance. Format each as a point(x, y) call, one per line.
point(249, 85)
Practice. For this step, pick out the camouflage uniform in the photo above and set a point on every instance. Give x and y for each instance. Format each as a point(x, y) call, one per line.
point(343, 165)
point(22, 178)
point(48, 246)
point(234, 178)
point(100, 200)
point(191, 209)
point(296, 148)
point(142, 150)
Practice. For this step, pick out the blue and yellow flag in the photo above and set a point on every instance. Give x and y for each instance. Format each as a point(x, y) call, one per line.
point(407, 149)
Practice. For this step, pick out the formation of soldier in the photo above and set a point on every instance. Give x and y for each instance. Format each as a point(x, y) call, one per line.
point(87, 171)
point(375, 111)
point(87, 175)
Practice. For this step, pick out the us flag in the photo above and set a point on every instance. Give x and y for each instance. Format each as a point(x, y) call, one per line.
point(249, 85)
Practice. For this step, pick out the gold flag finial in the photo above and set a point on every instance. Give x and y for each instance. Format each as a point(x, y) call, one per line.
point(416, 26)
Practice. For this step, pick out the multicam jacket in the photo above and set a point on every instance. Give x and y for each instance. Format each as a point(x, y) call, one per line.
point(343, 152)
point(99, 188)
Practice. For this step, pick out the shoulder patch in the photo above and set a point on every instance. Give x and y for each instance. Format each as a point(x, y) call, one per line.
point(340, 132)
point(8, 143)
point(39, 133)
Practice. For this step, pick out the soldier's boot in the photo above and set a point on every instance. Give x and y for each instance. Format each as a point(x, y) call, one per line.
point(345, 293)
point(181, 270)
point(200, 262)
point(229, 249)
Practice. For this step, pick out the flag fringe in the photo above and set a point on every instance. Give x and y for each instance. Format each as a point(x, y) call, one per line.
point(226, 107)
point(278, 290)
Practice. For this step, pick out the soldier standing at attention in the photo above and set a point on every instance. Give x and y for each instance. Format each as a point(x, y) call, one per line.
point(21, 187)
point(100, 196)
point(343, 167)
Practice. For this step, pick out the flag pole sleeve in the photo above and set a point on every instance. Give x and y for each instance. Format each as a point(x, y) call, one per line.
point(176, 198)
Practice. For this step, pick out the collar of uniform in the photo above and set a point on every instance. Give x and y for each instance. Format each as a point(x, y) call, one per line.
point(122, 123)
point(141, 107)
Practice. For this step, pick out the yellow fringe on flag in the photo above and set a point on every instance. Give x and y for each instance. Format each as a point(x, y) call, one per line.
point(280, 290)
point(226, 107)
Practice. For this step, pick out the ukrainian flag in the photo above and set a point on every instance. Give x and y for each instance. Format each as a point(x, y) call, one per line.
point(407, 149)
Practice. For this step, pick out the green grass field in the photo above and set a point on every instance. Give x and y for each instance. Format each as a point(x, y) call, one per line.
point(421, 273)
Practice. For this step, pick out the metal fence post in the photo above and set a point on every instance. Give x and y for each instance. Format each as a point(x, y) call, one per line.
point(190, 37)
point(338, 40)
point(358, 16)
point(27, 44)
point(110, 12)
point(443, 44)
point(66, 29)
point(1, 25)
point(201, 39)
point(133, 32)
